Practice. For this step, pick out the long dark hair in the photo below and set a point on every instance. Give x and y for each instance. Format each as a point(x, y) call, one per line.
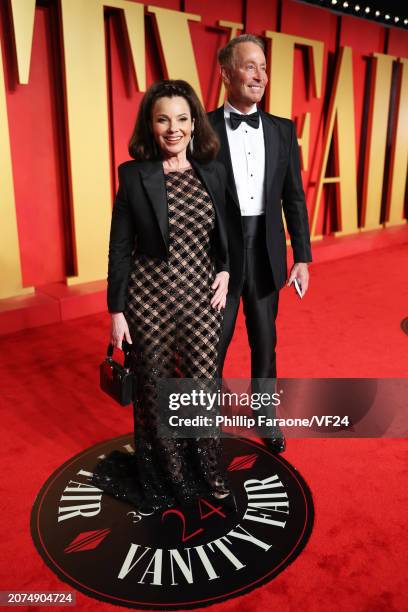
point(142, 145)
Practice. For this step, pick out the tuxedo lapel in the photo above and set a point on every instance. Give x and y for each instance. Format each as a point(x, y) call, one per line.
point(215, 187)
point(224, 155)
point(271, 139)
point(207, 176)
point(153, 180)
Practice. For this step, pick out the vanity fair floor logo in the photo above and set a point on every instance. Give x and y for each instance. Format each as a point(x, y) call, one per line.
point(179, 558)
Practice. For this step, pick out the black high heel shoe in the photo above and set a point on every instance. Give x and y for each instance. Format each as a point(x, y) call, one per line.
point(226, 498)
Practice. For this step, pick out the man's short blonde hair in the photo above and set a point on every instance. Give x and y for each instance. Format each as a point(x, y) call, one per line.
point(226, 54)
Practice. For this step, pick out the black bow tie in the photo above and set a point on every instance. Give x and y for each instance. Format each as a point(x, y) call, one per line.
point(237, 118)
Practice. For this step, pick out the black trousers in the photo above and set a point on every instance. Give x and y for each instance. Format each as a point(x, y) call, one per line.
point(260, 301)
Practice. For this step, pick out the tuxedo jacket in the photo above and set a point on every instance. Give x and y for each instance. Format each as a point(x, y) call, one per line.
point(140, 221)
point(283, 190)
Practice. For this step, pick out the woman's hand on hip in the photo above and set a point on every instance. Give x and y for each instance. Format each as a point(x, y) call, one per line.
point(220, 287)
point(119, 329)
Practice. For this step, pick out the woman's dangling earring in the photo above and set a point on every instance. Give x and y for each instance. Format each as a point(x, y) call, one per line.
point(191, 143)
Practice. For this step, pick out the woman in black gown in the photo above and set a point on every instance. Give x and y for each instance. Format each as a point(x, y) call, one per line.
point(167, 286)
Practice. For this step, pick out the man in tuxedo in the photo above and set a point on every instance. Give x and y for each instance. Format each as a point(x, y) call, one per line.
point(260, 154)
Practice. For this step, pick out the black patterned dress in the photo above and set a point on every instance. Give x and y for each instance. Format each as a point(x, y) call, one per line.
point(175, 332)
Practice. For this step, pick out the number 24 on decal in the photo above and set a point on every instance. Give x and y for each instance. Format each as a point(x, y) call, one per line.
point(180, 514)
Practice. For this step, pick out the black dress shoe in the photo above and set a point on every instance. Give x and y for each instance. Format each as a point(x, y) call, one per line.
point(276, 443)
point(228, 502)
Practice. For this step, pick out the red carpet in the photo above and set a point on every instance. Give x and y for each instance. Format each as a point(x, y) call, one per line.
point(348, 325)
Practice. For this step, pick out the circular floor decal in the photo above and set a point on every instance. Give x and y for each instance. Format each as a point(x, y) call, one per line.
point(182, 558)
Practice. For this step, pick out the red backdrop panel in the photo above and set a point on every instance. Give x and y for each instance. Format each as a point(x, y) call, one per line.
point(36, 140)
point(36, 110)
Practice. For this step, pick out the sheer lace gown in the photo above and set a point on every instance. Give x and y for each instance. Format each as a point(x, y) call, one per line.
point(175, 332)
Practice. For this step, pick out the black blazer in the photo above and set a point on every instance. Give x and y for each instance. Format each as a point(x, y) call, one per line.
point(283, 189)
point(140, 221)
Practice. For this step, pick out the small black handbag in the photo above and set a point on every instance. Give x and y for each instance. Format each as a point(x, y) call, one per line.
point(117, 380)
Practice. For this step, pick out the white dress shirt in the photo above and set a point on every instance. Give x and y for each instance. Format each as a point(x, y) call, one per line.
point(247, 151)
